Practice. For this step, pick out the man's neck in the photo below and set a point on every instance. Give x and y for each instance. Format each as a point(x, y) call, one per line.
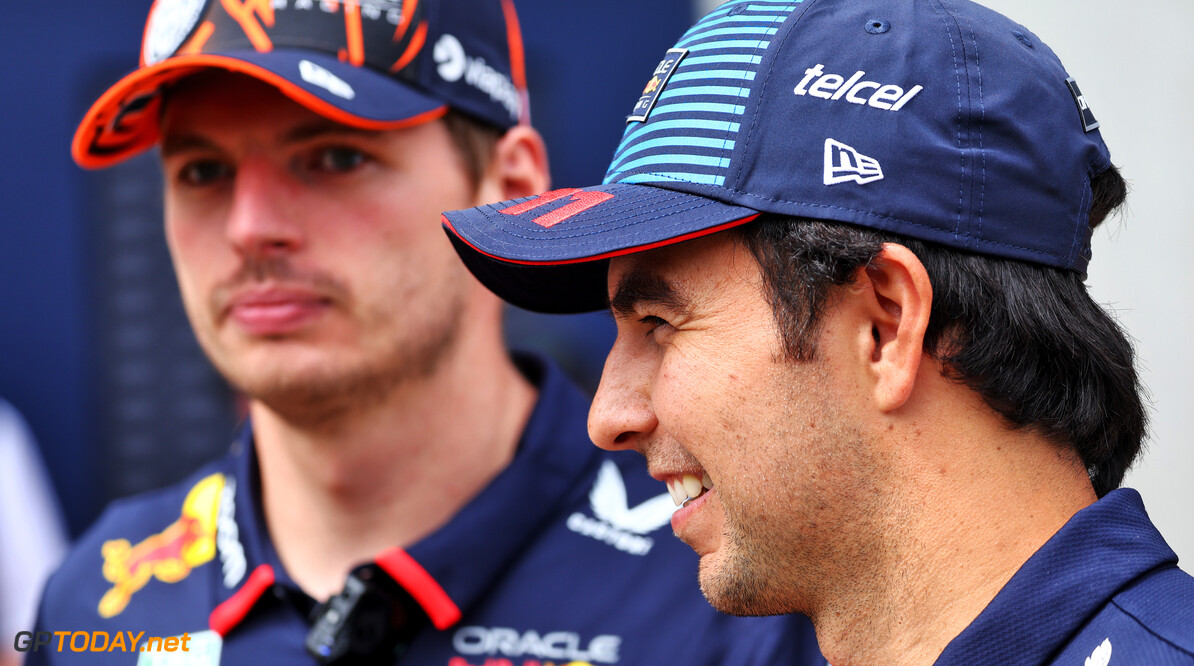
point(968, 512)
point(392, 472)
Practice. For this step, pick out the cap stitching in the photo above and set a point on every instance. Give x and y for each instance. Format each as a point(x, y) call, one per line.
point(982, 153)
point(656, 193)
point(664, 176)
point(1083, 217)
point(602, 232)
point(896, 220)
point(647, 201)
point(961, 153)
point(675, 208)
point(777, 45)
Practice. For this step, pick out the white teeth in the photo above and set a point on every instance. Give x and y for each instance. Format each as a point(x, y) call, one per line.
point(687, 487)
point(677, 495)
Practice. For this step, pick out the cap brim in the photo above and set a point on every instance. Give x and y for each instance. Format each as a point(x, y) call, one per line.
point(124, 120)
point(550, 253)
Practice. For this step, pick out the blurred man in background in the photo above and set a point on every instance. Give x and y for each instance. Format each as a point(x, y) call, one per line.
point(404, 489)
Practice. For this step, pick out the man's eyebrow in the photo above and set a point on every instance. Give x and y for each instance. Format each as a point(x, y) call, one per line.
point(319, 128)
point(178, 143)
point(644, 287)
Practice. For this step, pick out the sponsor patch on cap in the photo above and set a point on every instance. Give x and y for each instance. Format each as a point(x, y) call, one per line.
point(659, 78)
point(1088, 120)
point(171, 24)
point(318, 76)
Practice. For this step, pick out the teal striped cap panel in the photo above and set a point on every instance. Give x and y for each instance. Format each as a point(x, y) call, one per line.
point(691, 132)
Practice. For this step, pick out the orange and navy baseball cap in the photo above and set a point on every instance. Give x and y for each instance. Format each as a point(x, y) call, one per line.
point(372, 64)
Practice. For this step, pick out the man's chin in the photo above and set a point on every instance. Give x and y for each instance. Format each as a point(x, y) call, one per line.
point(732, 589)
point(302, 390)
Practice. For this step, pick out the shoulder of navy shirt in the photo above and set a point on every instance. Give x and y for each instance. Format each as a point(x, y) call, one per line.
point(1104, 590)
point(535, 582)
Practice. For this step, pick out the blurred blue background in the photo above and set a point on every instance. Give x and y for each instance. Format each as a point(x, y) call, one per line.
point(96, 353)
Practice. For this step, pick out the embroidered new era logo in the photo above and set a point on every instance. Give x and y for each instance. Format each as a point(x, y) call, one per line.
point(843, 164)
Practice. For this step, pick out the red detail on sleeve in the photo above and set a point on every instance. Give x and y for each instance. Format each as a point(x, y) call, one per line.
point(414, 579)
point(232, 612)
point(582, 200)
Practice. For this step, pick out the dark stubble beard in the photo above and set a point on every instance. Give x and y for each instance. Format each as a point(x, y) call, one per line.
point(314, 398)
point(750, 581)
point(784, 554)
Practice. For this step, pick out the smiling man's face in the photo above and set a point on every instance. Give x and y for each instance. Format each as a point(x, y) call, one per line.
point(698, 382)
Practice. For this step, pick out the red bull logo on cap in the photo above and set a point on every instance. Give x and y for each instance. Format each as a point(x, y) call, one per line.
point(169, 555)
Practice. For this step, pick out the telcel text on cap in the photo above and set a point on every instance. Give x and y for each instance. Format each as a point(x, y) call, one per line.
point(939, 120)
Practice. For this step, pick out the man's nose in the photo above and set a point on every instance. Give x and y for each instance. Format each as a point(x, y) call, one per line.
point(262, 219)
point(622, 415)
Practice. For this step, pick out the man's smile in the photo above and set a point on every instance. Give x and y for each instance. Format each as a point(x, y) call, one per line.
point(687, 487)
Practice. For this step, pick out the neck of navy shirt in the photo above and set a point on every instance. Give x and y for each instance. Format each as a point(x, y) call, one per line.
point(1104, 590)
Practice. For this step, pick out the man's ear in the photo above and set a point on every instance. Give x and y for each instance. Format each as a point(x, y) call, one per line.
point(898, 298)
point(517, 168)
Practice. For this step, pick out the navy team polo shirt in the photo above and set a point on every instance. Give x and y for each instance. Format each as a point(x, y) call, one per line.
point(565, 558)
point(1104, 591)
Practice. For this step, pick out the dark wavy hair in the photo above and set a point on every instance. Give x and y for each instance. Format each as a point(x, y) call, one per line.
point(1027, 338)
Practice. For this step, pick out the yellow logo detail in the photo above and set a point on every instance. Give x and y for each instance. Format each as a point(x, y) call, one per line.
point(169, 555)
point(652, 85)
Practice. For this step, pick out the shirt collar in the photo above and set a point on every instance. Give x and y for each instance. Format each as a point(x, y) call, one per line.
point(553, 456)
point(1098, 551)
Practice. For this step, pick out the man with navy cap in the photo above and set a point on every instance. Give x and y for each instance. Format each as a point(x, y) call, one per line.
point(844, 242)
point(404, 490)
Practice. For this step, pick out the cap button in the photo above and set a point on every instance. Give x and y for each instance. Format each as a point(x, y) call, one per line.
point(877, 26)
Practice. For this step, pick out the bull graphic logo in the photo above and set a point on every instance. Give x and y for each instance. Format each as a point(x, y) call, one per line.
point(169, 555)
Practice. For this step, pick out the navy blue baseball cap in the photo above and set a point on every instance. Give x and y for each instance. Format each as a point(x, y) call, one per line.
point(373, 64)
point(939, 120)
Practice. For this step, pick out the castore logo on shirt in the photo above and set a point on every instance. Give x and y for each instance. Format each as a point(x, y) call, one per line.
point(616, 523)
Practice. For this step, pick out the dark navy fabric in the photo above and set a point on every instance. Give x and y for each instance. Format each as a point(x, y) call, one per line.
point(541, 574)
point(374, 96)
point(1105, 585)
point(939, 120)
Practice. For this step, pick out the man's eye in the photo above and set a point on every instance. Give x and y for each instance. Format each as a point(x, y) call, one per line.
point(655, 326)
point(338, 160)
point(203, 172)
